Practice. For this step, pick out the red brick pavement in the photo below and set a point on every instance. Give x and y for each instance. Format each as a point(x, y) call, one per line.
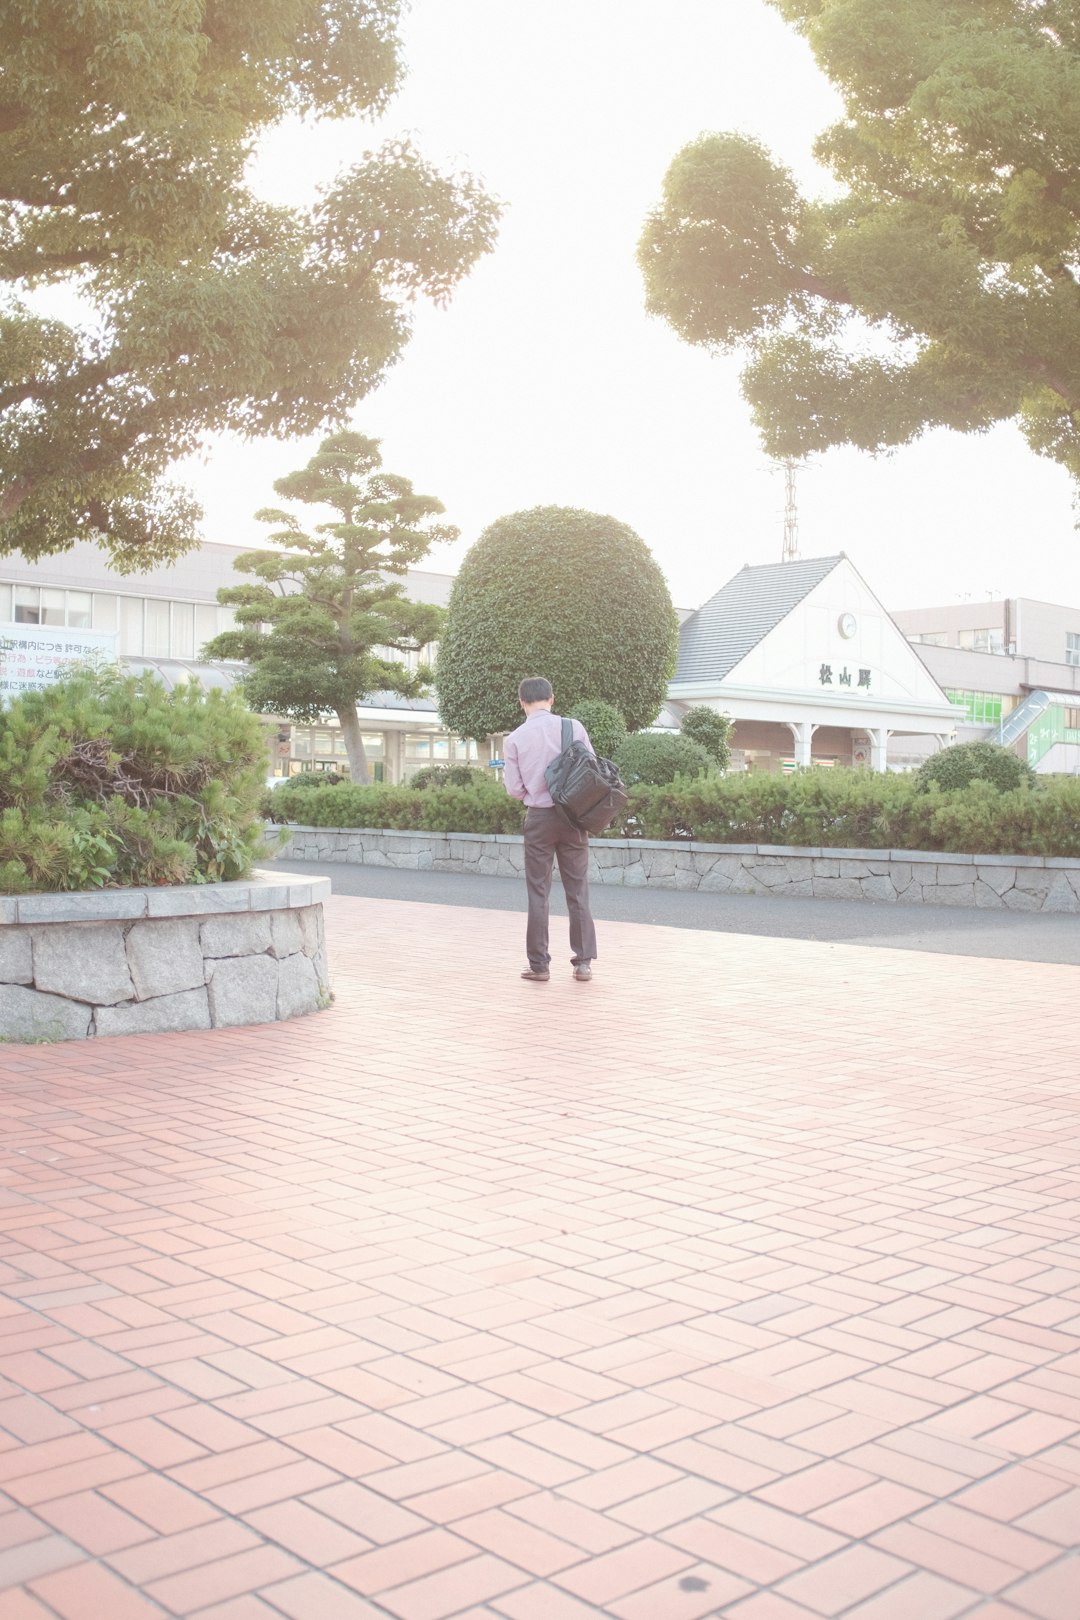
point(743, 1281)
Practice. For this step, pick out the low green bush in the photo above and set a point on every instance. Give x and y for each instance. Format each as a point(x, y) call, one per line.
point(481, 806)
point(655, 758)
point(959, 766)
point(429, 776)
point(605, 725)
point(109, 780)
point(837, 809)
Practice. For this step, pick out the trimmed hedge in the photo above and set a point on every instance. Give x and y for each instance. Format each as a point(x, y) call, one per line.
point(835, 809)
point(483, 807)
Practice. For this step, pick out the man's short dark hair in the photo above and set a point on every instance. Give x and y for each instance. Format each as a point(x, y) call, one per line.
point(535, 690)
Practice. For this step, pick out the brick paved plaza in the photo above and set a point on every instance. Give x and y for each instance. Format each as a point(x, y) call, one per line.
point(743, 1281)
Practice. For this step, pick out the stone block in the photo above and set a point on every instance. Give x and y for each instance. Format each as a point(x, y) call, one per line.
point(198, 901)
point(825, 868)
point(773, 875)
point(488, 866)
point(948, 874)
point(950, 894)
point(310, 919)
point(243, 990)
point(878, 889)
point(104, 905)
point(716, 881)
point(299, 991)
point(611, 875)
point(1022, 900)
point(987, 898)
point(16, 957)
point(8, 909)
point(1061, 896)
point(744, 882)
point(28, 1015)
point(286, 934)
point(634, 876)
point(405, 860)
point(687, 878)
point(911, 894)
point(236, 936)
point(1035, 880)
point(801, 889)
point(901, 874)
point(838, 888)
point(188, 1009)
point(164, 957)
point(658, 863)
point(854, 869)
point(999, 878)
point(84, 962)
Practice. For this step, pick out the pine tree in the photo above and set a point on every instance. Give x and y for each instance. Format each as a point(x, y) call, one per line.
point(330, 606)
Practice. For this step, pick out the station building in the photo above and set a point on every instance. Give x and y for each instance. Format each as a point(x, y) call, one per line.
point(802, 654)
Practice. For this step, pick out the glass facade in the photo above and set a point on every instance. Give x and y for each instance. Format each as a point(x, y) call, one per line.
point(146, 626)
point(980, 708)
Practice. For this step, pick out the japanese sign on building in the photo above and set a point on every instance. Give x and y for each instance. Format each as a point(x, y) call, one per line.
point(35, 655)
point(843, 677)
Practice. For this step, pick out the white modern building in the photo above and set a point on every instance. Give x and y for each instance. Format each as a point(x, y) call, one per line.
point(802, 655)
point(811, 668)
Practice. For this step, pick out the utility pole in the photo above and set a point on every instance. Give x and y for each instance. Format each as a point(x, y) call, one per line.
point(791, 514)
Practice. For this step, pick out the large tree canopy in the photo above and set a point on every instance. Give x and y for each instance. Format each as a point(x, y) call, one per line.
point(940, 285)
point(328, 622)
point(573, 596)
point(125, 128)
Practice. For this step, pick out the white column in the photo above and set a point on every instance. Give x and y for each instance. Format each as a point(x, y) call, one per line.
point(879, 747)
point(803, 733)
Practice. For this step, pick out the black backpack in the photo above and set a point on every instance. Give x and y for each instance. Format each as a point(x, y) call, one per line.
point(587, 790)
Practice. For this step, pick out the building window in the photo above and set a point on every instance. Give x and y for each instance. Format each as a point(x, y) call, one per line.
point(1072, 647)
point(33, 604)
point(931, 638)
point(1072, 719)
point(986, 641)
point(105, 612)
point(980, 708)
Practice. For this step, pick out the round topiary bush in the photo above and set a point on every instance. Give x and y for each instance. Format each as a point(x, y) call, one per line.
point(605, 725)
point(113, 781)
point(654, 759)
point(965, 763)
point(711, 730)
point(569, 595)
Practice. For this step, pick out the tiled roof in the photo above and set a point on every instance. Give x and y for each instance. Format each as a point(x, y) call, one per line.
point(742, 613)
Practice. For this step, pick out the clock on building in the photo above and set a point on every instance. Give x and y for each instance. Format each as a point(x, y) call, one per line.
point(847, 624)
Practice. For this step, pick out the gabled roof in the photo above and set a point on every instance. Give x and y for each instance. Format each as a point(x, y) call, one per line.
point(742, 613)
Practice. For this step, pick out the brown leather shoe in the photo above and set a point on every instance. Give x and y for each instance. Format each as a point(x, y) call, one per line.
point(541, 975)
point(583, 970)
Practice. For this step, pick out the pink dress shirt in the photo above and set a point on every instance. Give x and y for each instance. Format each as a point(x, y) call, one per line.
point(529, 751)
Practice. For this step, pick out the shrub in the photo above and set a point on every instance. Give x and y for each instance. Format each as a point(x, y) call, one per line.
point(712, 731)
point(481, 806)
point(446, 776)
point(655, 758)
point(573, 596)
point(605, 725)
point(109, 780)
point(964, 763)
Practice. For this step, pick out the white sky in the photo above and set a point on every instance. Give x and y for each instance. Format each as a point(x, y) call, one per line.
point(544, 382)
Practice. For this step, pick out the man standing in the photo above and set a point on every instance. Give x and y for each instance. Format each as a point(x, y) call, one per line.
point(528, 752)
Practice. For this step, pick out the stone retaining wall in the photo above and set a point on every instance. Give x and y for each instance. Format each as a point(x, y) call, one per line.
point(142, 961)
point(1008, 882)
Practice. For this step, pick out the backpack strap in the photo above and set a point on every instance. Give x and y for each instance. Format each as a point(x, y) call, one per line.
point(567, 733)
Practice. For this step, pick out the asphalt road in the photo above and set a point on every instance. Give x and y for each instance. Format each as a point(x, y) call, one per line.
point(1014, 935)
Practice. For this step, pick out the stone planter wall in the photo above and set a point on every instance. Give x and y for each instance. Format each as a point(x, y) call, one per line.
point(1006, 882)
point(142, 961)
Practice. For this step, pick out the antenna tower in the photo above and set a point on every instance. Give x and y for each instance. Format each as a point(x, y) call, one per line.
point(791, 514)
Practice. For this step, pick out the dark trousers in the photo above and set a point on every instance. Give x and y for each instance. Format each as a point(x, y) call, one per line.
point(549, 838)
